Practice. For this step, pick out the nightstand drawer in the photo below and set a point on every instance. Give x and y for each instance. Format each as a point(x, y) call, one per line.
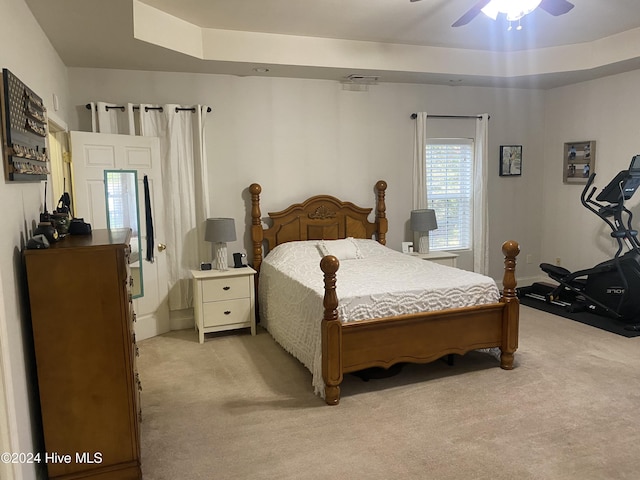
point(216, 289)
point(227, 312)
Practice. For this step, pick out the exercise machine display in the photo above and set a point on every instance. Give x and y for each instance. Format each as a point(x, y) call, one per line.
point(612, 287)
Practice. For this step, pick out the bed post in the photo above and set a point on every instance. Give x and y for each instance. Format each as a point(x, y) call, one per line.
point(256, 225)
point(381, 208)
point(510, 316)
point(331, 333)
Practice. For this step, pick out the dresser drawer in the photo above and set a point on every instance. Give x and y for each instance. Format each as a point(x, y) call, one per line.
point(227, 312)
point(216, 289)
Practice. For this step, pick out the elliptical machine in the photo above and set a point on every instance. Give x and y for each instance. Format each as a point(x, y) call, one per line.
point(612, 287)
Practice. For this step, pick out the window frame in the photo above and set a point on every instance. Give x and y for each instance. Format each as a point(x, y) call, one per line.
point(464, 239)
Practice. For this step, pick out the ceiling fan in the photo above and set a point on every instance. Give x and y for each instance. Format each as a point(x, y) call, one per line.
point(491, 8)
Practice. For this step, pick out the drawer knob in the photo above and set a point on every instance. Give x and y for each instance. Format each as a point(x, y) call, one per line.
point(228, 312)
point(226, 288)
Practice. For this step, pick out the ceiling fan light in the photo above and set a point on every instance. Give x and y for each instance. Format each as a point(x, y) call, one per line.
point(513, 9)
point(492, 9)
point(518, 9)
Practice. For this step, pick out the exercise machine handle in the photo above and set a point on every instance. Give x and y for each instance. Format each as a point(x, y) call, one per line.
point(586, 187)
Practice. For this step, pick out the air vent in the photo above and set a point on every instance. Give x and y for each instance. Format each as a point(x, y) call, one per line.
point(358, 83)
point(362, 79)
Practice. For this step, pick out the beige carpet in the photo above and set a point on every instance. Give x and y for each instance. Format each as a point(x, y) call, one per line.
point(239, 407)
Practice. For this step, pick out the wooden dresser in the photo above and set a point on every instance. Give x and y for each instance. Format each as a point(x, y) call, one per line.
point(82, 317)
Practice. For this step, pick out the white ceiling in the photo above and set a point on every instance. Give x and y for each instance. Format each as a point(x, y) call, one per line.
point(396, 40)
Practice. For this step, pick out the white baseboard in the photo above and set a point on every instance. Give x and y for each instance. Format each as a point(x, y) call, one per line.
point(181, 319)
point(149, 327)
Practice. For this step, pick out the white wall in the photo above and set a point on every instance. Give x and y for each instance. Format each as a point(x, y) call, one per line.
point(303, 137)
point(27, 53)
point(604, 110)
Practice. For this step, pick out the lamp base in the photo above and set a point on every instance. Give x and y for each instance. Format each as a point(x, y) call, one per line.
point(221, 256)
point(423, 244)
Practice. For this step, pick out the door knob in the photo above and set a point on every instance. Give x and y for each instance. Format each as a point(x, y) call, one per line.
point(162, 247)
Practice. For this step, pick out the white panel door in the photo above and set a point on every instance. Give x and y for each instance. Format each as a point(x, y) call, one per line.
point(92, 154)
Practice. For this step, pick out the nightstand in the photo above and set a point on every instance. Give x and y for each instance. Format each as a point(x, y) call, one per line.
point(443, 258)
point(224, 300)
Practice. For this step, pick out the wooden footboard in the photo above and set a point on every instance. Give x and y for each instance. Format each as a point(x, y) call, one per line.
point(415, 338)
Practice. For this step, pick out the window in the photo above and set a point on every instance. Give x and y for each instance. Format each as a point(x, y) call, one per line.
point(121, 194)
point(449, 173)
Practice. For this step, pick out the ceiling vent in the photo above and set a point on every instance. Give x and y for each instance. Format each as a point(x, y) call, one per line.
point(363, 79)
point(359, 83)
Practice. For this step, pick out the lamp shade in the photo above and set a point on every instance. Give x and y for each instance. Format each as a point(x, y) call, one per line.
point(423, 220)
point(220, 230)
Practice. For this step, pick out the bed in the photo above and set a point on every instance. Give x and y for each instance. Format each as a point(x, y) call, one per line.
point(376, 326)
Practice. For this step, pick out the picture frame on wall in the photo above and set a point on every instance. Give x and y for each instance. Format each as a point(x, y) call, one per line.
point(510, 160)
point(579, 161)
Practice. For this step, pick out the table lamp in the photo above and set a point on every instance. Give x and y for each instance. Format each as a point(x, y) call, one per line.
point(422, 222)
point(220, 231)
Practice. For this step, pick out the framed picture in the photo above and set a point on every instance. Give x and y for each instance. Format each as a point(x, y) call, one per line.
point(579, 161)
point(510, 160)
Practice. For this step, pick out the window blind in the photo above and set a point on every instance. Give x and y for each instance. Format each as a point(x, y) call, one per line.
point(449, 174)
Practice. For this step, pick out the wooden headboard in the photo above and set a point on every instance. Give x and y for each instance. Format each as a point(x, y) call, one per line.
point(321, 217)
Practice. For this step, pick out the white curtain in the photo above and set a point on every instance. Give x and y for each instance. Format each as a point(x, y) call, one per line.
point(185, 190)
point(420, 162)
point(107, 117)
point(480, 208)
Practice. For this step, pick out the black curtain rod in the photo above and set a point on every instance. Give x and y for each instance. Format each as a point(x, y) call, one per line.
point(146, 109)
point(415, 115)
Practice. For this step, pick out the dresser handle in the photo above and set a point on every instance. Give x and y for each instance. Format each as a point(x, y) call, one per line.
point(226, 288)
point(228, 312)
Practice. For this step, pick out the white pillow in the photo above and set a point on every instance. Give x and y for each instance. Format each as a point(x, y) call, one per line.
point(344, 249)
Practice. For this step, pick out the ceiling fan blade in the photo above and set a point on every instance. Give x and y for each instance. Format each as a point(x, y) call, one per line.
point(556, 7)
point(471, 13)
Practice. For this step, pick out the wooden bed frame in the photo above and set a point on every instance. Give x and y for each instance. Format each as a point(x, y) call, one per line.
point(383, 342)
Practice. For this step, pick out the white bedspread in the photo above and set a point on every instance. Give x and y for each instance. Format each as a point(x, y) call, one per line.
point(382, 283)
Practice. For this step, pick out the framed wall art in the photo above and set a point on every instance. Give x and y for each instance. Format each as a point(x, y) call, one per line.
point(579, 161)
point(510, 160)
